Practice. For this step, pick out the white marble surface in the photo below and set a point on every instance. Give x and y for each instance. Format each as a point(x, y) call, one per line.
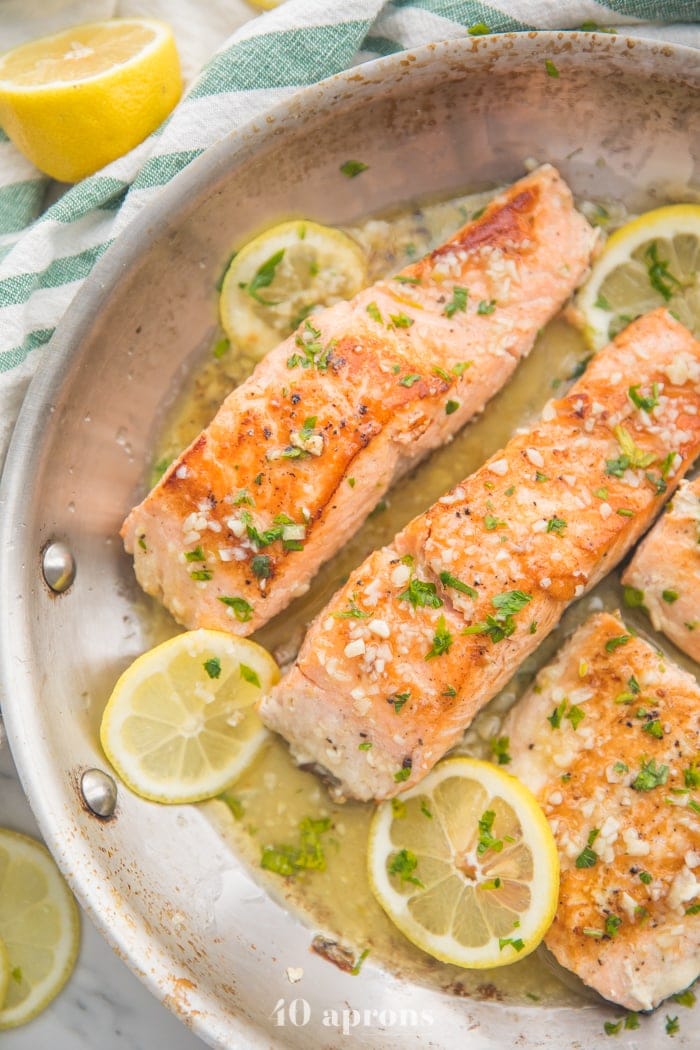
point(103, 1006)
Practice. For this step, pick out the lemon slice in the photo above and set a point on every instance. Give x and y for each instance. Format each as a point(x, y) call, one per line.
point(39, 925)
point(265, 5)
point(75, 101)
point(276, 280)
point(465, 865)
point(4, 972)
point(652, 261)
point(180, 725)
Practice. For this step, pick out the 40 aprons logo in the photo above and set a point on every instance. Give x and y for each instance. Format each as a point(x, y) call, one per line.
point(297, 1013)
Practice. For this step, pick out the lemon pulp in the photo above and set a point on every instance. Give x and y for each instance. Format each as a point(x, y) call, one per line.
point(650, 262)
point(465, 865)
point(180, 725)
point(39, 927)
point(276, 280)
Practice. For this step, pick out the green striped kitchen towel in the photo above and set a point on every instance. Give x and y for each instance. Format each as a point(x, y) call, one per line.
point(45, 256)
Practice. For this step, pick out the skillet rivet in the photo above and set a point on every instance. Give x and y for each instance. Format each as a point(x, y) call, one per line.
point(99, 792)
point(58, 566)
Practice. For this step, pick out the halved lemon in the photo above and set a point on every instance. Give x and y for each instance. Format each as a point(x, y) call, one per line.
point(465, 865)
point(75, 101)
point(39, 926)
point(649, 262)
point(277, 279)
point(180, 725)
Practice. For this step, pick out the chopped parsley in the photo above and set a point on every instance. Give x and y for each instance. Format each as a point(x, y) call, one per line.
point(645, 877)
point(409, 380)
point(478, 29)
point(588, 856)
point(442, 640)
point(686, 998)
point(691, 776)
point(221, 348)
point(574, 714)
point(366, 745)
point(358, 965)
point(399, 699)
point(487, 840)
point(614, 643)
point(234, 804)
point(670, 596)
point(458, 302)
point(612, 925)
point(644, 403)
point(514, 942)
point(242, 610)
point(402, 774)
point(633, 598)
point(353, 612)
point(308, 855)
point(403, 279)
point(352, 168)
point(491, 523)
point(425, 809)
point(460, 368)
point(660, 278)
point(556, 525)
point(404, 865)
point(212, 667)
point(313, 353)
point(201, 574)
point(401, 320)
point(499, 749)
point(261, 567)
point(486, 307)
point(263, 278)
point(249, 675)
point(501, 624)
point(650, 776)
point(450, 407)
point(552, 70)
point(672, 1025)
point(631, 455)
point(196, 555)
point(374, 312)
point(421, 593)
point(654, 728)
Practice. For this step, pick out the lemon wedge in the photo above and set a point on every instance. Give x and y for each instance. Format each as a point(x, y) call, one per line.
point(75, 101)
point(180, 725)
point(649, 262)
point(276, 280)
point(265, 5)
point(39, 926)
point(465, 865)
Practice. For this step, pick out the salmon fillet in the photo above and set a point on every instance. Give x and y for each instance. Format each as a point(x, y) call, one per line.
point(300, 453)
point(428, 629)
point(665, 571)
point(608, 739)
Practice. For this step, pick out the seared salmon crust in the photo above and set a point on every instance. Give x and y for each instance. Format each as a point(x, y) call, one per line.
point(300, 453)
point(428, 629)
point(608, 739)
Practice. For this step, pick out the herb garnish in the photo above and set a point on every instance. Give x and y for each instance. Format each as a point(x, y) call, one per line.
point(588, 856)
point(448, 580)
point(352, 168)
point(290, 860)
point(650, 776)
point(442, 640)
point(421, 593)
point(660, 278)
point(242, 610)
point(212, 667)
point(458, 302)
point(501, 625)
point(264, 277)
point(404, 864)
